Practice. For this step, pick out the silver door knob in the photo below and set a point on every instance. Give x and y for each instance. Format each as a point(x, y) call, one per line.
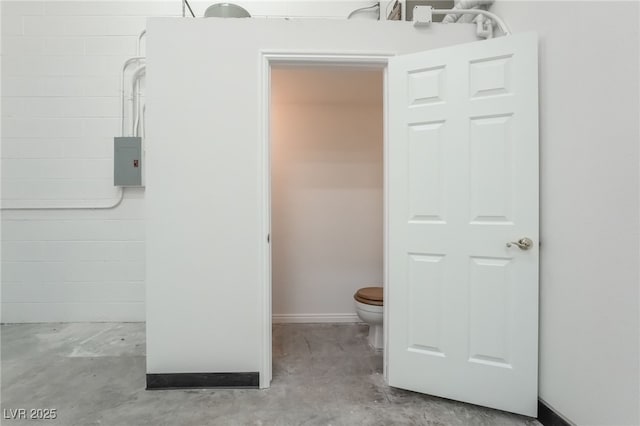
point(523, 243)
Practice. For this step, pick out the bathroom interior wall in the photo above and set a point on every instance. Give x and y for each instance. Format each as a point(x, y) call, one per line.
point(326, 190)
point(60, 80)
point(589, 283)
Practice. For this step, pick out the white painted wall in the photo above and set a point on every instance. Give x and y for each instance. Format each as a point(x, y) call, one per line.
point(205, 240)
point(327, 181)
point(60, 111)
point(589, 94)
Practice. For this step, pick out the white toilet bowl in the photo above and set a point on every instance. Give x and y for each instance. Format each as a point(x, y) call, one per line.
point(372, 315)
point(370, 310)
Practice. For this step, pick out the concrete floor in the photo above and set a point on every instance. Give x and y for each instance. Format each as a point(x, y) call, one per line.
point(94, 374)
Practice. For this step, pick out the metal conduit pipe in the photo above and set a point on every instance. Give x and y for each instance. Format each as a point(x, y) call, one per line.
point(144, 120)
point(124, 68)
point(135, 106)
point(142, 34)
point(132, 100)
point(111, 205)
point(503, 26)
point(362, 9)
point(138, 120)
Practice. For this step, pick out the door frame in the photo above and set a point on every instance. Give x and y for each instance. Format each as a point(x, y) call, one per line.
point(305, 59)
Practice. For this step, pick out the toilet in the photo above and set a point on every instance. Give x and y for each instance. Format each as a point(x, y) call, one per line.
point(369, 307)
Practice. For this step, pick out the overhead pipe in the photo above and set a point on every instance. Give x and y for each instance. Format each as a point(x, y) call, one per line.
point(503, 26)
point(467, 4)
point(362, 9)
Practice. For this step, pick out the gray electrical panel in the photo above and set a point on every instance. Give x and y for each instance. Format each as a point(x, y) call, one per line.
point(127, 161)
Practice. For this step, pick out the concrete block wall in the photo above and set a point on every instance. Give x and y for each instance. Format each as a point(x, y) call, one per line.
point(60, 85)
point(60, 111)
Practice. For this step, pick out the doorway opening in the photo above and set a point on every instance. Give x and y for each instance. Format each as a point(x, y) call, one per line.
point(326, 190)
point(325, 149)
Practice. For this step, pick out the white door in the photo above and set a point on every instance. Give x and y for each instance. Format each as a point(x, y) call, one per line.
point(462, 307)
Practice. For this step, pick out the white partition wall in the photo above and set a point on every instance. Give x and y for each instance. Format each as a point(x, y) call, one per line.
point(205, 236)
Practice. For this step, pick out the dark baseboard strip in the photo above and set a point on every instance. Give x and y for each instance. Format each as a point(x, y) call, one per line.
point(548, 417)
point(249, 380)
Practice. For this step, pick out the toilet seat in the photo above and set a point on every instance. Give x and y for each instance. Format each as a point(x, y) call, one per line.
point(369, 296)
